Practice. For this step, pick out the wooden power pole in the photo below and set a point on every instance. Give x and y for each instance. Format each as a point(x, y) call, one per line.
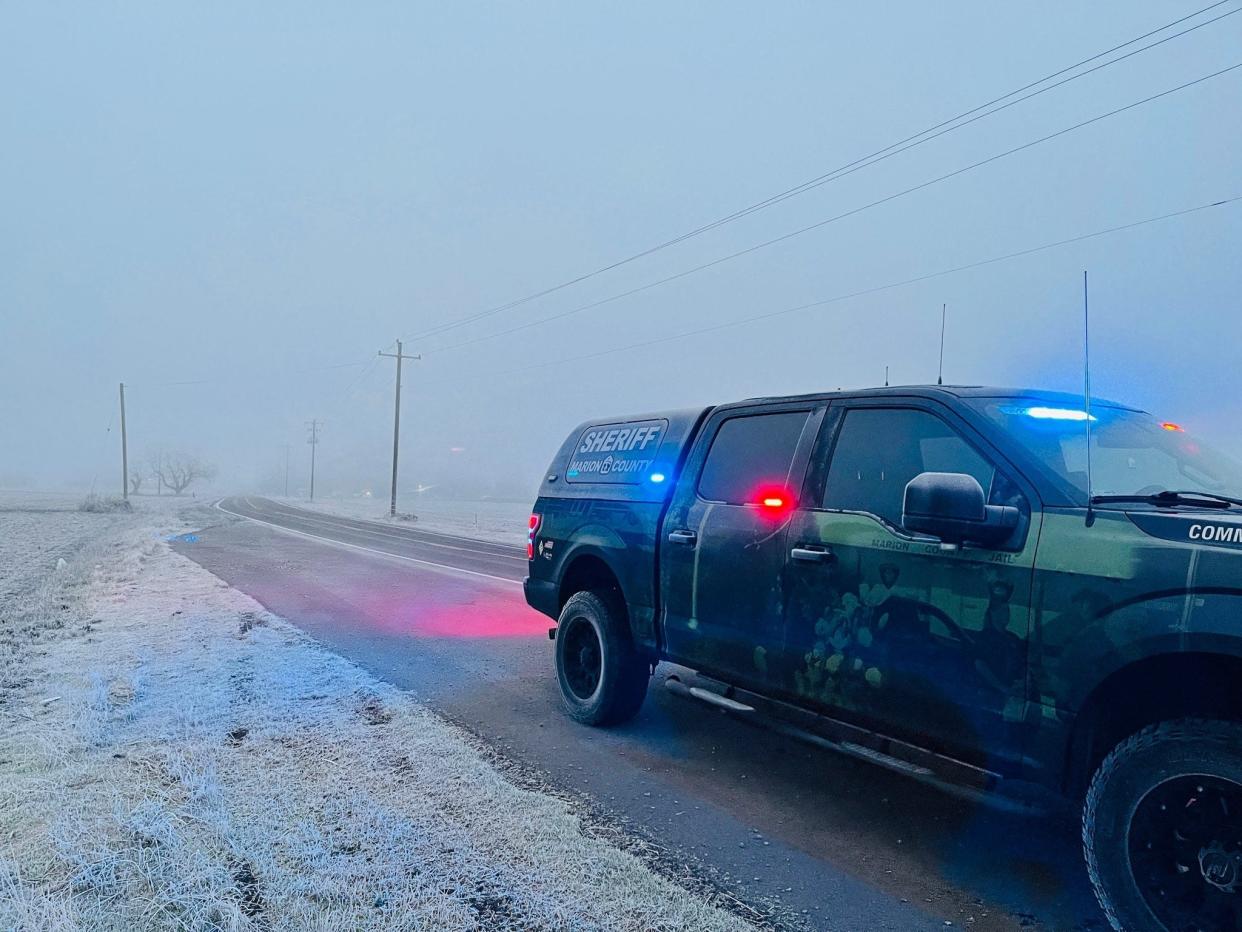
point(124, 450)
point(313, 440)
point(396, 425)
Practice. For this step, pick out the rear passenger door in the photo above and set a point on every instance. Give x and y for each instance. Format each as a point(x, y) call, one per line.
point(722, 553)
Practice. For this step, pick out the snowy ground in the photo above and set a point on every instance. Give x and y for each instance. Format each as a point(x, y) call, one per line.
point(174, 757)
point(500, 521)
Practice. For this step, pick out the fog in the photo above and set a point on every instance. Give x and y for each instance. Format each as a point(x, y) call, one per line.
point(232, 207)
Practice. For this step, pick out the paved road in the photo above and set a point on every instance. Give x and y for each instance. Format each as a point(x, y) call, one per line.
point(833, 842)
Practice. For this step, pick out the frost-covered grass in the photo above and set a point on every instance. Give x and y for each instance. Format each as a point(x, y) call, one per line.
point(177, 758)
point(498, 521)
point(48, 553)
point(104, 504)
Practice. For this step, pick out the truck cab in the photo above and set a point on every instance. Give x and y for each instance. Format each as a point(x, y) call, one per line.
point(994, 589)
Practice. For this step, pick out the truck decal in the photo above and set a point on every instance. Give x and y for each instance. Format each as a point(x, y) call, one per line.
point(1191, 529)
point(1220, 533)
point(616, 453)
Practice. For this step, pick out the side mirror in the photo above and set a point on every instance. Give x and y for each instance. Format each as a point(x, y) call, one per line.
point(952, 507)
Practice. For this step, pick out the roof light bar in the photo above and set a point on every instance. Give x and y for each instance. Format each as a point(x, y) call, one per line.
point(1044, 413)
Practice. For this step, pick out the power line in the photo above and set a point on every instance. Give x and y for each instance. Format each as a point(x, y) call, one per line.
point(833, 219)
point(902, 145)
point(642, 344)
point(357, 380)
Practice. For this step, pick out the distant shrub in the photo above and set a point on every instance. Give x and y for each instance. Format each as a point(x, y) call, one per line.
point(104, 504)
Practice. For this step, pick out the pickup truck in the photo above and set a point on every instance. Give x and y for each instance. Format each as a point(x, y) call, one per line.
point(1016, 594)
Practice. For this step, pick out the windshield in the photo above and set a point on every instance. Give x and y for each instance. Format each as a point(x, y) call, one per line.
point(1132, 453)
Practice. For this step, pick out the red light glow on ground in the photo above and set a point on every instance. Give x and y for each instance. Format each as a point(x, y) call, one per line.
point(450, 612)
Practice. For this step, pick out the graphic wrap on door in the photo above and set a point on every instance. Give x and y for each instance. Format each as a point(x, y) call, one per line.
point(907, 633)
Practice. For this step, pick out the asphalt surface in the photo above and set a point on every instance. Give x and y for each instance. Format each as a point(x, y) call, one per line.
point(808, 836)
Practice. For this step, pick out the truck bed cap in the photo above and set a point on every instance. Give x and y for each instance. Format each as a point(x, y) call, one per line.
point(633, 457)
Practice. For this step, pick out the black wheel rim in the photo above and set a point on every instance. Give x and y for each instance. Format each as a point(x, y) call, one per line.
point(1185, 849)
point(583, 658)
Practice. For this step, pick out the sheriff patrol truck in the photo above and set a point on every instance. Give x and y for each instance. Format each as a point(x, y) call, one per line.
point(1012, 593)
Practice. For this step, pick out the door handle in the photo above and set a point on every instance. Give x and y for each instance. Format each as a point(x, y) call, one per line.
point(682, 537)
point(813, 555)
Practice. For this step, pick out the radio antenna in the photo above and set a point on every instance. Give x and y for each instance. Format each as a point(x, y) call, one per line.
point(1086, 385)
point(940, 373)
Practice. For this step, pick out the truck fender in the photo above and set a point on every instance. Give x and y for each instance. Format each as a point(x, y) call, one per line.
point(601, 547)
point(1188, 620)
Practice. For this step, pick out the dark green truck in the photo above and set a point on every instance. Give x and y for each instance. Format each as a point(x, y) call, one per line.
point(927, 578)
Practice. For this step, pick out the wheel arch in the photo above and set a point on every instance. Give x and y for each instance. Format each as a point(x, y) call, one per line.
point(588, 568)
point(1160, 687)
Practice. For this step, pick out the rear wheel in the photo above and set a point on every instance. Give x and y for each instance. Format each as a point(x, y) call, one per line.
point(1162, 828)
point(603, 677)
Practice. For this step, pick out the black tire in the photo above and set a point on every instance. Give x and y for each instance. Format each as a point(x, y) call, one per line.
point(603, 677)
point(1162, 828)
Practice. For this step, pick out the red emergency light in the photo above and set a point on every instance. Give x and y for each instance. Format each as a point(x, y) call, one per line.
point(775, 501)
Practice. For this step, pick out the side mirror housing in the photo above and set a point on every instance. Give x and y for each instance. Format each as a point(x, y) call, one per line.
point(951, 506)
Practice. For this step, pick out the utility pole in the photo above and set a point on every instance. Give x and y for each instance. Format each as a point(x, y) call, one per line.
point(313, 440)
point(124, 450)
point(286, 470)
point(396, 425)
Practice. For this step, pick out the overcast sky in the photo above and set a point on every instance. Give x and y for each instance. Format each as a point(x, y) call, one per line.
point(255, 198)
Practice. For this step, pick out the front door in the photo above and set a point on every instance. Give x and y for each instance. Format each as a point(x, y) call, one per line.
point(917, 640)
point(723, 554)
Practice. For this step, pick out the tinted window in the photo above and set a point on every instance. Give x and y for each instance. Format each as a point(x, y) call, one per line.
point(879, 450)
point(749, 454)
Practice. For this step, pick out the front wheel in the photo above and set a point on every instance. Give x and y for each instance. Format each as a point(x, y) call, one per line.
point(1162, 828)
point(603, 677)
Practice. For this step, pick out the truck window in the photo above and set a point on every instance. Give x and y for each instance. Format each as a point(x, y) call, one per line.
point(749, 453)
point(879, 450)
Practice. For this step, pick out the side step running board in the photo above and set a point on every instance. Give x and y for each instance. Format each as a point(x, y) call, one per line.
point(884, 760)
point(675, 685)
point(959, 778)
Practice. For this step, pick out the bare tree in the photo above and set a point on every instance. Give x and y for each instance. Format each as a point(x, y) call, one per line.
point(135, 482)
point(178, 471)
point(154, 458)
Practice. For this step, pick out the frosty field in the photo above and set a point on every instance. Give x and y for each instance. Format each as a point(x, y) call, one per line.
point(172, 756)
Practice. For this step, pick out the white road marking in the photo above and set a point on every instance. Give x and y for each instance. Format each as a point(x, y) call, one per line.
point(384, 553)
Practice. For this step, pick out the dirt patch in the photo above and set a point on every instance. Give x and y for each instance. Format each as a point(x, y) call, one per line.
point(373, 711)
point(248, 620)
